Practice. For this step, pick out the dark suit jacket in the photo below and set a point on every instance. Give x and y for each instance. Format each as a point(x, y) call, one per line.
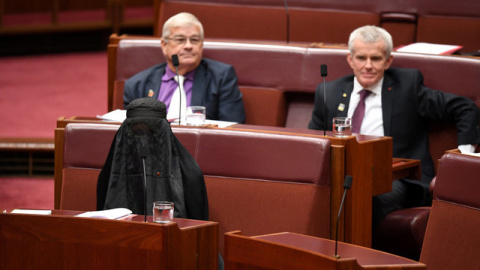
point(214, 86)
point(408, 108)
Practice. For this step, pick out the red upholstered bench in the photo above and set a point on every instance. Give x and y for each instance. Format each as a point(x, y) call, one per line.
point(332, 21)
point(258, 20)
point(24, 17)
point(256, 182)
point(278, 82)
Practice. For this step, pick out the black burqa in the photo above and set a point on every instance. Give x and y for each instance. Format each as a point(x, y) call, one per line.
point(172, 173)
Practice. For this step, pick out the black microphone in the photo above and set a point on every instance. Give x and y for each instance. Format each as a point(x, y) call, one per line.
point(142, 151)
point(323, 73)
point(346, 185)
point(176, 63)
point(323, 70)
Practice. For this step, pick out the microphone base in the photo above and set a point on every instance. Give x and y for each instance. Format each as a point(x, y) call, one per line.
point(336, 256)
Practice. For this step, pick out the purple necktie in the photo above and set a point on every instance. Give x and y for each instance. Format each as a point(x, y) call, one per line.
point(359, 112)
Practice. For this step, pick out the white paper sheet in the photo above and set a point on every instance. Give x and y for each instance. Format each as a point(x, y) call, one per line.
point(429, 48)
point(116, 115)
point(31, 212)
point(115, 213)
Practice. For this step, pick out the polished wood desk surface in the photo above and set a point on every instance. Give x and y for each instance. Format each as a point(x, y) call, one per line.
point(286, 250)
point(182, 223)
point(364, 256)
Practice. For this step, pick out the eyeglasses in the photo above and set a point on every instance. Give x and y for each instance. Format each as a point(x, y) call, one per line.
point(180, 40)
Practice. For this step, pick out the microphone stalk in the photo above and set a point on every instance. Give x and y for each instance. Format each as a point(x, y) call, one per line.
point(323, 73)
point(346, 185)
point(288, 21)
point(142, 151)
point(176, 63)
point(144, 190)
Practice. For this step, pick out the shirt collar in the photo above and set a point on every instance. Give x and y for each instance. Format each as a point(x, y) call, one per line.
point(170, 74)
point(376, 88)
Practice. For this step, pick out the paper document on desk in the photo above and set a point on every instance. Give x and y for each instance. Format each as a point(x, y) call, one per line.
point(429, 48)
point(217, 123)
point(220, 124)
point(116, 116)
point(115, 213)
point(31, 212)
point(472, 154)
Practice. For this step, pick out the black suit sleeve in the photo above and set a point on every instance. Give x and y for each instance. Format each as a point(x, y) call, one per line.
point(318, 114)
point(230, 101)
point(440, 106)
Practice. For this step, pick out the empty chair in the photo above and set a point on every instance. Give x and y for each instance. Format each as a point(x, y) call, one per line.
point(452, 238)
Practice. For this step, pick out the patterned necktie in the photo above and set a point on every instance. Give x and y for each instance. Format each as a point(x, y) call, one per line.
point(179, 99)
point(359, 112)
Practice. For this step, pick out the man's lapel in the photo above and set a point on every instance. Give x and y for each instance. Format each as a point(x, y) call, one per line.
point(153, 85)
point(199, 85)
point(388, 89)
point(341, 99)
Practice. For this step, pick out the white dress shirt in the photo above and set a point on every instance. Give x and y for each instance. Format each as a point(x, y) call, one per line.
point(373, 120)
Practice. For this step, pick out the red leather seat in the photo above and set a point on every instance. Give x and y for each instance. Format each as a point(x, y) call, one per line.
point(452, 238)
point(404, 232)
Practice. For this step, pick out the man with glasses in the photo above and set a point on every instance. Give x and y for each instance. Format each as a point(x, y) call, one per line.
point(206, 82)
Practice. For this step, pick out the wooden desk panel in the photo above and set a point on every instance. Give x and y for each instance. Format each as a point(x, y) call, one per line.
point(295, 251)
point(67, 242)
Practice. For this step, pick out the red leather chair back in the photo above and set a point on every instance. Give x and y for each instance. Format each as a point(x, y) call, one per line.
point(452, 235)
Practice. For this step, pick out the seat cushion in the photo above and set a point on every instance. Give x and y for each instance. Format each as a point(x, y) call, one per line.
point(402, 232)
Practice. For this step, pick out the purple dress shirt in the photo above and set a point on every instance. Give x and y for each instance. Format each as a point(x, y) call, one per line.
point(169, 85)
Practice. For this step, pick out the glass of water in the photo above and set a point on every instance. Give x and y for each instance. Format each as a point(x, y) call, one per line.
point(163, 212)
point(342, 126)
point(195, 116)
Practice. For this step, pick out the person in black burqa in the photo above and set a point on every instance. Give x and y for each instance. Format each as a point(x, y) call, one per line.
point(172, 173)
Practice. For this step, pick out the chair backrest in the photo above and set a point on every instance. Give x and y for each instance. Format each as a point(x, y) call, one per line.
point(261, 177)
point(86, 148)
point(259, 20)
point(452, 235)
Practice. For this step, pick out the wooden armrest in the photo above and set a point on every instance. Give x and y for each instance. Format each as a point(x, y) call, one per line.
point(455, 151)
point(406, 168)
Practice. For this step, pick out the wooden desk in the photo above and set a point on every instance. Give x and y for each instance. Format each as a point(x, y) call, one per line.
point(62, 241)
point(295, 251)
